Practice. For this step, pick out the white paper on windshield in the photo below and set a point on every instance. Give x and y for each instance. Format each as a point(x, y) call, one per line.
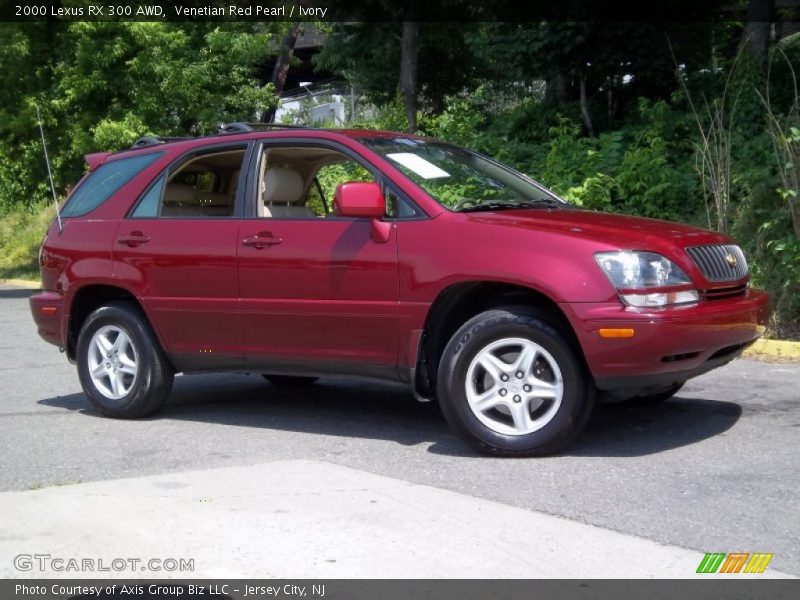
point(420, 166)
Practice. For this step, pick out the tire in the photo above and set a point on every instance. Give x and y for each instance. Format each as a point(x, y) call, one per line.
point(136, 381)
point(553, 368)
point(655, 398)
point(289, 379)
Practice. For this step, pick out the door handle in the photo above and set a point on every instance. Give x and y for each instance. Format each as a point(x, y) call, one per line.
point(261, 240)
point(133, 239)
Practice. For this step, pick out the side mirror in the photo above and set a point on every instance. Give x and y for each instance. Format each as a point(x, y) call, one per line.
point(364, 200)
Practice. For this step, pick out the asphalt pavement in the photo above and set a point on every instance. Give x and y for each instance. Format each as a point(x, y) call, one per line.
point(713, 470)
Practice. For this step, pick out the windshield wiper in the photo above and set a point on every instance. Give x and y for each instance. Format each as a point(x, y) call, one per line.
point(537, 203)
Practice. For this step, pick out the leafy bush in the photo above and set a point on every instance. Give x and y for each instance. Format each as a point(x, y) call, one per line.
point(643, 168)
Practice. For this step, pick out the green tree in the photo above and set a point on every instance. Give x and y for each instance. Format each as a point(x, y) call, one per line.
point(101, 85)
point(604, 66)
point(369, 56)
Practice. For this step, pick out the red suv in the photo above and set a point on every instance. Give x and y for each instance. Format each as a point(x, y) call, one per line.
point(299, 253)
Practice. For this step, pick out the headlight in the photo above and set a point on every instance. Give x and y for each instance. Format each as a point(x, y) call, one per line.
point(641, 278)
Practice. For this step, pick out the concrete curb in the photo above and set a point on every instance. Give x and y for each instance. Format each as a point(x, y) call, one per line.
point(22, 283)
point(774, 348)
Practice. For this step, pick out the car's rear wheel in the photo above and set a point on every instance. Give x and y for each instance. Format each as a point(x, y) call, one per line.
point(289, 379)
point(511, 384)
point(121, 366)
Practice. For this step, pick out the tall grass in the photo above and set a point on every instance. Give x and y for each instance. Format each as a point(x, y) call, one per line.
point(21, 233)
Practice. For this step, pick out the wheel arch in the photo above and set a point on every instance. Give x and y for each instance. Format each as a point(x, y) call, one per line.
point(458, 303)
point(89, 298)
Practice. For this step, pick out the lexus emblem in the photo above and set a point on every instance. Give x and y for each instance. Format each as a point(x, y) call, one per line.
point(731, 259)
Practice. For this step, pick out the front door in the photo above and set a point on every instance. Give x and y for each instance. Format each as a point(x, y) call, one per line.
point(315, 288)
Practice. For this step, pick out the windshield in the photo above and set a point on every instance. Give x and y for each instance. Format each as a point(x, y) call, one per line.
point(461, 180)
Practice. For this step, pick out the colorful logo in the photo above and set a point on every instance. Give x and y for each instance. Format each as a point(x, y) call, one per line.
point(734, 562)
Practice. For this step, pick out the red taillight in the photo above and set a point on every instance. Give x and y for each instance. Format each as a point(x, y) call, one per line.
point(49, 310)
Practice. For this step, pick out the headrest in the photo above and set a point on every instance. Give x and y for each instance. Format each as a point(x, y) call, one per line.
point(179, 192)
point(234, 183)
point(282, 186)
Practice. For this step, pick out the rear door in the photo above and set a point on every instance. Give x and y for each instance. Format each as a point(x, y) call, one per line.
point(178, 245)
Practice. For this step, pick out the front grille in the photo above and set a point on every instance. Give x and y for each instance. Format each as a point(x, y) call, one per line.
point(720, 262)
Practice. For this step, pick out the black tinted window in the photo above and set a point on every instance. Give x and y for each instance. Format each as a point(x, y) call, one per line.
point(104, 181)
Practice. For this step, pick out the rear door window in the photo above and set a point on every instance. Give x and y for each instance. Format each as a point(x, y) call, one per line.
point(104, 181)
point(201, 185)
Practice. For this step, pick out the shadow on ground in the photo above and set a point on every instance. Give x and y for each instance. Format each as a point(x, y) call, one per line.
point(377, 410)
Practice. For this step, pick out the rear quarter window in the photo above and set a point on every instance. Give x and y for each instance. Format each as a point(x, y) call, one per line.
point(104, 181)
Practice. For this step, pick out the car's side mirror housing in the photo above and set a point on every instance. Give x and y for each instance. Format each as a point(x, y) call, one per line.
point(361, 200)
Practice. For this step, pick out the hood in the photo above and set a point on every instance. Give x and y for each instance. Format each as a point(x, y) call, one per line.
point(620, 231)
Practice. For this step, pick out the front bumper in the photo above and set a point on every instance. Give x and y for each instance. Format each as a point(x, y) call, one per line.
point(48, 313)
point(669, 345)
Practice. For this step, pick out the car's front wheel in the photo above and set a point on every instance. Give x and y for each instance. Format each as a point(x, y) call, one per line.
point(121, 366)
point(511, 384)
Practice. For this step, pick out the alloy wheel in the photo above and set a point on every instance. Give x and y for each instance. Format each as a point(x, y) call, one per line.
point(113, 362)
point(514, 386)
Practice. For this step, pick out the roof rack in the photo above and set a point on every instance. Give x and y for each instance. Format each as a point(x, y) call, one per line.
point(240, 127)
point(235, 128)
point(151, 140)
point(144, 142)
point(224, 128)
